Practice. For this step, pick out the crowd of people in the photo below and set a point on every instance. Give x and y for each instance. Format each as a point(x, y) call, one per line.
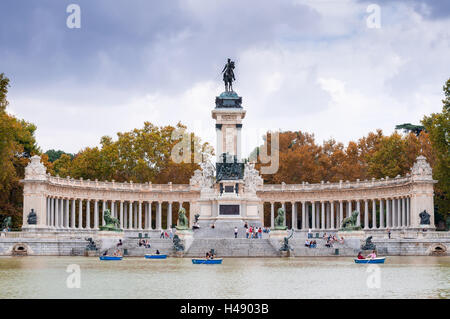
point(144, 242)
point(164, 234)
point(329, 239)
point(372, 255)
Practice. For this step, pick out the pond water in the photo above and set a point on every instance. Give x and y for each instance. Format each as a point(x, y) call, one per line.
point(301, 277)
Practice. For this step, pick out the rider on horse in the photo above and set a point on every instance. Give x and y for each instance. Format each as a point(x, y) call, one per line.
point(228, 75)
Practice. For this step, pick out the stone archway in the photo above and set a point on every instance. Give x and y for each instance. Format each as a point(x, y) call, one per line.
point(20, 249)
point(437, 250)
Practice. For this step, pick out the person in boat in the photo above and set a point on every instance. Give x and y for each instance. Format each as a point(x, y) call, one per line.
point(207, 255)
point(373, 255)
point(105, 253)
point(119, 243)
point(360, 256)
point(157, 252)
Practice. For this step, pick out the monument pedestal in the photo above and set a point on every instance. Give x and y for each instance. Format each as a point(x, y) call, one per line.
point(187, 237)
point(278, 234)
point(352, 238)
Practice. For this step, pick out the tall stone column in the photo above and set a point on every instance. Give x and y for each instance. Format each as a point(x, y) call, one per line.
point(169, 216)
point(374, 213)
point(366, 214)
point(135, 216)
point(150, 226)
point(408, 213)
point(125, 215)
point(332, 214)
point(96, 221)
point(52, 212)
point(80, 214)
point(130, 215)
point(313, 215)
point(322, 215)
point(272, 215)
point(294, 215)
point(388, 213)
point(66, 213)
point(403, 212)
point(112, 210)
point(303, 215)
point(399, 212)
point(382, 225)
point(341, 213)
point(349, 208)
point(158, 216)
point(283, 204)
point(358, 208)
point(140, 215)
point(57, 212)
point(121, 214)
point(88, 214)
point(103, 212)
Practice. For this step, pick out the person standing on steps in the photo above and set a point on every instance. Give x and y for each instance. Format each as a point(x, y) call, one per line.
point(235, 232)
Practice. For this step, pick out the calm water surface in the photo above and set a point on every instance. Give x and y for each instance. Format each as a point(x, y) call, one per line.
point(333, 277)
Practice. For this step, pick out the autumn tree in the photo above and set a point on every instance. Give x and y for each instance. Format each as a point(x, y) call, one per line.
point(438, 127)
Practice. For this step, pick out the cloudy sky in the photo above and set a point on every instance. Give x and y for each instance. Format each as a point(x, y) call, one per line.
point(310, 65)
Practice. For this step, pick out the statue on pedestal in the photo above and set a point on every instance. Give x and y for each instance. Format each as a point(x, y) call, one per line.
point(177, 245)
point(279, 220)
point(286, 246)
point(183, 222)
point(369, 245)
point(32, 218)
point(228, 75)
point(424, 218)
point(350, 223)
point(111, 223)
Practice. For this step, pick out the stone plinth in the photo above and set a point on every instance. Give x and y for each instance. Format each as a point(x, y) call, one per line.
point(352, 239)
point(187, 237)
point(102, 234)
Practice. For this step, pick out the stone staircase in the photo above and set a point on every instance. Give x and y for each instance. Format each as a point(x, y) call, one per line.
point(223, 229)
point(165, 246)
point(232, 247)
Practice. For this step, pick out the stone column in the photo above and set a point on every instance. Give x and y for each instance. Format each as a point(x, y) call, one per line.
point(130, 215)
point(57, 212)
point(303, 215)
point(403, 213)
point(358, 208)
point(341, 213)
point(52, 211)
point(135, 216)
point(374, 214)
point(150, 215)
point(169, 216)
point(408, 213)
point(103, 212)
point(313, 215)
point(381, 213)
point(139, 221)
point(88, 214)
point(272, 215)
point(349, 208)
point(158, 216)
point(332, 214)
point(66, 213)
point(366, 214)
point(113, 211)
point(125, 215)
point(322, 215)
point(121, 214)
point(80, 213)
point(399, 212)
point(388, 213)
point(96, 214)
point(328, 216)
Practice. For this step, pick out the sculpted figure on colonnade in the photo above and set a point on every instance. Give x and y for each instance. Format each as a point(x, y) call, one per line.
point(251, 178)
point(183, 222)
point(279, 220)
point(111, 223)
point(350, 223)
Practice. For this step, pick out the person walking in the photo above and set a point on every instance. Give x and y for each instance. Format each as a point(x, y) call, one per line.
point(247, 231)
point(260, 232)
point(235, 232)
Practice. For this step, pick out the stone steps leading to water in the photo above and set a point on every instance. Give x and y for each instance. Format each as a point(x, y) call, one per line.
point(232, 247)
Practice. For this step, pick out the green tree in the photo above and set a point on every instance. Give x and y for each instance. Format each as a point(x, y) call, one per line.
point(438, 127)
point(54, 155)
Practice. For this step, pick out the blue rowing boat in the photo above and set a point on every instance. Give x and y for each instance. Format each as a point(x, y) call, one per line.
point(379, 260)
point(111, 257)
point(149, 256)
point(206, 261)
